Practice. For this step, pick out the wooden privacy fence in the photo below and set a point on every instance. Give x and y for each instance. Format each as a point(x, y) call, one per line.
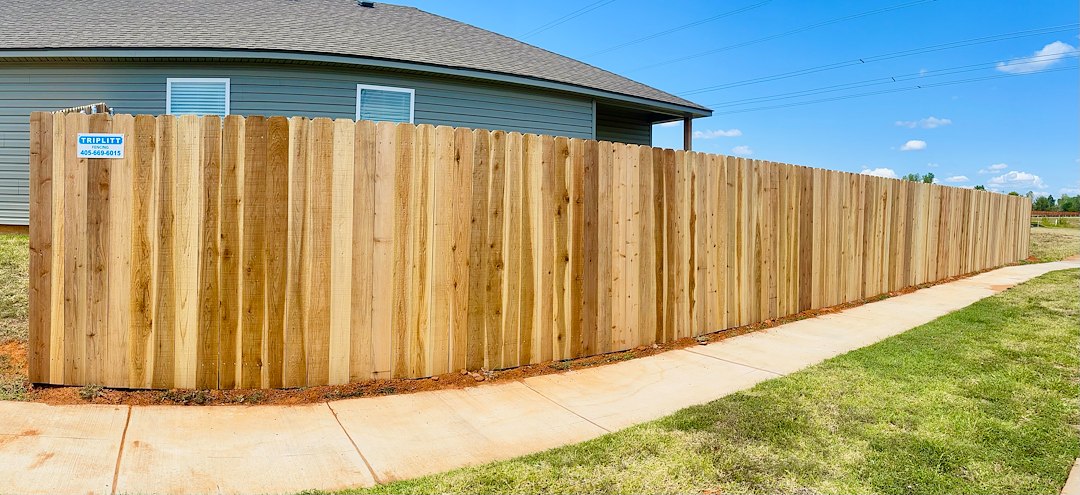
point(274, 252)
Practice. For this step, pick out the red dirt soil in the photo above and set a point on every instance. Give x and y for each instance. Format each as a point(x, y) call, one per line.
point(15, 351)
point(65, 395)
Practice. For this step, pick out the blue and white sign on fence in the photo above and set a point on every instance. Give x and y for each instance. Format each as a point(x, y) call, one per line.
point(101, 146)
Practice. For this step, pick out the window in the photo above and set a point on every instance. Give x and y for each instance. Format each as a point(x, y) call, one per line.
point(381, 103)
point(184, 96)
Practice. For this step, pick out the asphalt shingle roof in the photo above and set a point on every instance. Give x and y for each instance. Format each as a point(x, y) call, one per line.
point(334, 27)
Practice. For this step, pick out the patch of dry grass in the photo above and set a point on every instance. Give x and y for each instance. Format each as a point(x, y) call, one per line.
point(14, 280)
point(14, 306)
point(1054, 244)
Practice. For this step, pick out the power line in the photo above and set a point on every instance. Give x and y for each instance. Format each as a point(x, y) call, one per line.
point(785, 34)
point(896, 90)
point(573, 15)
point(679, 28)
point(948, 71)
point(887, 56)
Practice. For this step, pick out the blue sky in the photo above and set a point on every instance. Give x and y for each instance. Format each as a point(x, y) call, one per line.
point(1008, 133)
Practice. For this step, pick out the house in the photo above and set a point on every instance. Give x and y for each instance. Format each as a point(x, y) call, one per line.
point(314, 58)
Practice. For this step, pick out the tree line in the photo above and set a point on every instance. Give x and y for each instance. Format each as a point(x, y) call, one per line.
point(1038, 203)
point(1048, 203)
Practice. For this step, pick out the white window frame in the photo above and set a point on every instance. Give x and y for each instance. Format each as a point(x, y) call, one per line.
point(411, 91)
point(168, 90)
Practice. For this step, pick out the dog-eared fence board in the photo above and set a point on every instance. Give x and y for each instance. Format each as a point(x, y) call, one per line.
point(270, 252)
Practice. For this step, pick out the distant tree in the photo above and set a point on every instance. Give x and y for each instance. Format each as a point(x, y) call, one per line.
point(1043, 203)
point(1030, 195)
point(981, 187)
point(1069, 203)
point(928, 178)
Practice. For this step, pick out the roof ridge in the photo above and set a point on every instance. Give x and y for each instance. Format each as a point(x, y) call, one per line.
point(557, 54)
point(338, 28)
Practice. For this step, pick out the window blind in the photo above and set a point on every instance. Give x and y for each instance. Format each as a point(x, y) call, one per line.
point(391, 105)
point(198, 97)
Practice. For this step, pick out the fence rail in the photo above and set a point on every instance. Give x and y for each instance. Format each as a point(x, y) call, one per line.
point(274, 252)
point(1052, 214)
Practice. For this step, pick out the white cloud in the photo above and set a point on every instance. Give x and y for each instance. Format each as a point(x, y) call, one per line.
point(707, 134)
point(1018, 179)
point(932, 165)
point(932, 122)
point(671, 124)
point(997, 167)
point(913, 145)
point(742, 150)
point(927, 123)
point(1043, 59)
point(956, 178)
point(880, 172)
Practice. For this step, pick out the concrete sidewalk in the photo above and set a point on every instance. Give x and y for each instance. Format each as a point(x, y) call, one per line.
point(1072, 485)
point(358, 442)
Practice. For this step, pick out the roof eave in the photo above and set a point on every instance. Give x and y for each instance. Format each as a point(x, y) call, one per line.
point(45, 54)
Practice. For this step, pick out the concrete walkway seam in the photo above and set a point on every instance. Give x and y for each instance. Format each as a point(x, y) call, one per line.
point(120, 451)
point(571, 411)
point(353, 442)
point(691, 350)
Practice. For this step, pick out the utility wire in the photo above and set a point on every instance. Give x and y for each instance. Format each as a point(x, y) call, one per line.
point(679, 28)
point(897, 90)
point(888, 56)
point(573, 15)
point(948, 71)
point(785, 34)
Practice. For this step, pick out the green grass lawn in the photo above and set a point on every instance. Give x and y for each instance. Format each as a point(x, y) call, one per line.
point(14, 279)
point(983, 400)
point(1060, 222)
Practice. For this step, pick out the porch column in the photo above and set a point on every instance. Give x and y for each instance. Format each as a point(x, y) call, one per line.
point(688, 134)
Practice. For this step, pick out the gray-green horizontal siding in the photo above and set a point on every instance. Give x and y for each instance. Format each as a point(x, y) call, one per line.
point(621, 127)
point(261, 89)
